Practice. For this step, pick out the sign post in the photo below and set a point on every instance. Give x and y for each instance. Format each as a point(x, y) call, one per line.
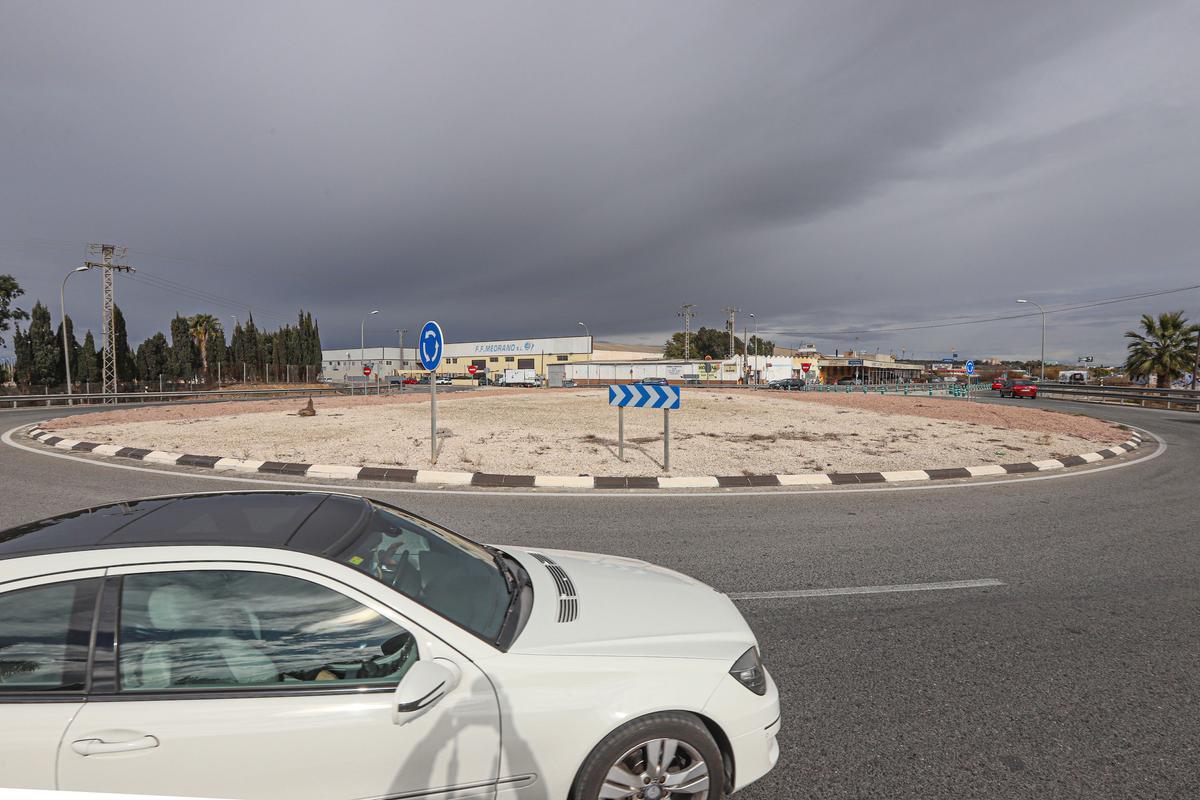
point(640, 395)
point(430, 349)
point(970, 366)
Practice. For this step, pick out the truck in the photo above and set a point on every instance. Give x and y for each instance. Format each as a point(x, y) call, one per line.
point(519, 377)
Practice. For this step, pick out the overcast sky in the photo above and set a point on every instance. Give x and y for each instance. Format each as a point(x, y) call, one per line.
point(513, 168)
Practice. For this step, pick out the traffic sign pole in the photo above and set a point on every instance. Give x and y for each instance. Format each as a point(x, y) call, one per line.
point(666, 440)
point(429, 348)
point(620, 433)
point(433, 417)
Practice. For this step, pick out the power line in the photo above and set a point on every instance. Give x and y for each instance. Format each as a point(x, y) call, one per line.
point(955, 322)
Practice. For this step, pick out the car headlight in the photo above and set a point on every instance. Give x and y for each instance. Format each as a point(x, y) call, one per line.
point(748, 671)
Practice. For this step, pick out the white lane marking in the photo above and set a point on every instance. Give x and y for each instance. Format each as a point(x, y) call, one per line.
point(981, 583)
point(652, 494)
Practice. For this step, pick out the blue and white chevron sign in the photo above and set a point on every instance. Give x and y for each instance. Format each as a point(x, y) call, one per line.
point(641, 395)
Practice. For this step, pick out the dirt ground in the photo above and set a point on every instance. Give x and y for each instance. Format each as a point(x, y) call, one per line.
point(574, 432)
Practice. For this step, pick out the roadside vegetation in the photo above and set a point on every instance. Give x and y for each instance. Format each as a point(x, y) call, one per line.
point(194, 352)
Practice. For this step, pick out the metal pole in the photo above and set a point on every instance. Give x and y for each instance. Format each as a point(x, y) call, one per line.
point(1196, 368)
point(433, 417)
point(620, 433)
point(666, 440)
point(1043, 378)
point(62, 301)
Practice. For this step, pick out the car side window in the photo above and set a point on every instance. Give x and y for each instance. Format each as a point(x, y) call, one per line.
point(234, 630)
point(44, 637)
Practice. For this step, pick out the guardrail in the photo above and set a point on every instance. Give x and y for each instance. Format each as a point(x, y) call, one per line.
point(97, 398)
point(1172, 399)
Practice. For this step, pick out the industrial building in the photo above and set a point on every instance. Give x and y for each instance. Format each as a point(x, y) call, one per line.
point(488, 357)
point(585, 362)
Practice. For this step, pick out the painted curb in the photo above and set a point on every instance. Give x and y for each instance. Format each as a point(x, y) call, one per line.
point(484, 479)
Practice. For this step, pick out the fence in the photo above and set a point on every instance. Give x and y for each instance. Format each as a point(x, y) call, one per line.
point(96, 398)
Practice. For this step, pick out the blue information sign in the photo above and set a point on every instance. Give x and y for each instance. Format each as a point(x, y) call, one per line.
point(970, 367)
point(429, 346)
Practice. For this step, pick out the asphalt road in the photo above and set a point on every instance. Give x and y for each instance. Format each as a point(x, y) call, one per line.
point(1080, 677)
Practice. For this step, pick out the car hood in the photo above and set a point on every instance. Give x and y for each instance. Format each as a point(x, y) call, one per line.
point(594, 604)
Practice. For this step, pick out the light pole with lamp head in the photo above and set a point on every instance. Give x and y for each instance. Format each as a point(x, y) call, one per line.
point(589, 335)
point(62, 301)
point(362, 339)
point(1043, 362)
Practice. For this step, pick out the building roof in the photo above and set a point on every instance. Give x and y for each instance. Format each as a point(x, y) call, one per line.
point(631, 348)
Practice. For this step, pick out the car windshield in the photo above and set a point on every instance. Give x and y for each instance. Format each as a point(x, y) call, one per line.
point(451, 576)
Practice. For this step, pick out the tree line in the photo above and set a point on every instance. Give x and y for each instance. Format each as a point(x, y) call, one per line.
point(714, 343)
point(193, 350)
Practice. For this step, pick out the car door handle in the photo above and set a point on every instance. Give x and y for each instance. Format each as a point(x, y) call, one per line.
point(92, 747)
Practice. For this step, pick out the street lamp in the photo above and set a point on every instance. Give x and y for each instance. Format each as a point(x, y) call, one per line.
point(755, 368)
point(62, 302)
point(362, 339)
point(1039, 308)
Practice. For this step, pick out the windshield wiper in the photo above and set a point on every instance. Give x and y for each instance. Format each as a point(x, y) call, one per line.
point(518, 580)
point(510, 576)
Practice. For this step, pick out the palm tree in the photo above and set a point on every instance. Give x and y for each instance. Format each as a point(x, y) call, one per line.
point(1163, 348)
point(202, 326)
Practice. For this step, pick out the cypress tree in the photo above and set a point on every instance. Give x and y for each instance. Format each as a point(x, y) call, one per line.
point(46, 358)
point(88, 369)
point(126, 367)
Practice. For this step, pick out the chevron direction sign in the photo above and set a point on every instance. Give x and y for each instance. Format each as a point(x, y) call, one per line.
point(641, 395)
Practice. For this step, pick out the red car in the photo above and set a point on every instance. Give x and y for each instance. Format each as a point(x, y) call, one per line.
point(997, 385)
point(1019, 388)
point(409, 381)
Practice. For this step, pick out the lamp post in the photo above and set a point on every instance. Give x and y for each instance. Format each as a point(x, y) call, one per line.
point(62, 301)
point(1039, 308)
point(757, 342)
point(362, 340)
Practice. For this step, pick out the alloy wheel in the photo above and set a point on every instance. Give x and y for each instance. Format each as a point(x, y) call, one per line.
point(657, 769)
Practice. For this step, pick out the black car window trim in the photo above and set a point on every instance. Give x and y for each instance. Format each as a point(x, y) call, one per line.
point(81, 633)
point(108, 627)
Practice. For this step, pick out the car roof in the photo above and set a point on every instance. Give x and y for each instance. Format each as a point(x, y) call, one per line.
point(320, 523)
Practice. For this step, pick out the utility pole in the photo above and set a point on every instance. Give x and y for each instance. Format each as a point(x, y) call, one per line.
point(689, 311)
point(1196, 367)
point(108, 359)
point(732, 312)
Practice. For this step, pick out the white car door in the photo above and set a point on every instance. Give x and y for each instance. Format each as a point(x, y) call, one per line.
point(259, 681)
point(45, 630)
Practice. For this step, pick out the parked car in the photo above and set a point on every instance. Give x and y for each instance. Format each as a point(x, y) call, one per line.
point(445, 380)
point(850, 382)
point(1020, 387)
point(786, 384)
point(568, 384)
point(322, 646)
point(653, 381)
point(409, 381)
point(324, 379)
point(997, 384)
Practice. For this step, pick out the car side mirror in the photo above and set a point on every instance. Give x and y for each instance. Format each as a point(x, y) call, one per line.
point(423, 687)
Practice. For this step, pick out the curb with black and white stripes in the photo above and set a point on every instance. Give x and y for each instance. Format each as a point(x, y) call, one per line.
point(490, 480)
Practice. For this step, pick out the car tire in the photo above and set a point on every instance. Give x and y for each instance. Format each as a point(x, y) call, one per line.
point(694, 742)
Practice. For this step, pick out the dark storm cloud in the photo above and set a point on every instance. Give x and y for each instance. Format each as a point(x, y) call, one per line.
point(514, 168)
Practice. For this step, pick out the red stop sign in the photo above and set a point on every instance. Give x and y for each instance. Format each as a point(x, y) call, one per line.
point(471, 370)
point(806, 366)
point(367, 371)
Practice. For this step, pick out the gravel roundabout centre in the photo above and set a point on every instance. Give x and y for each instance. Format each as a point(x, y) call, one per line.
point(574, 432)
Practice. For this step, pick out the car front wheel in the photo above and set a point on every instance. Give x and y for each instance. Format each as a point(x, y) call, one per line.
point(655, 757)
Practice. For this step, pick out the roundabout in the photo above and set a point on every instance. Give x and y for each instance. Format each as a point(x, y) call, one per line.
point(986, 640)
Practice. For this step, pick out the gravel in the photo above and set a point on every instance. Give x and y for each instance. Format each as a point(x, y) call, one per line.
point(574, 432)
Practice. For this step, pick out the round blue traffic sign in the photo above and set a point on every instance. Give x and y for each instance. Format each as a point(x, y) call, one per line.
point(429, 346)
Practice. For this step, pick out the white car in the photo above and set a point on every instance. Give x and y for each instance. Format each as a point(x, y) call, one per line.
point(320, 645)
